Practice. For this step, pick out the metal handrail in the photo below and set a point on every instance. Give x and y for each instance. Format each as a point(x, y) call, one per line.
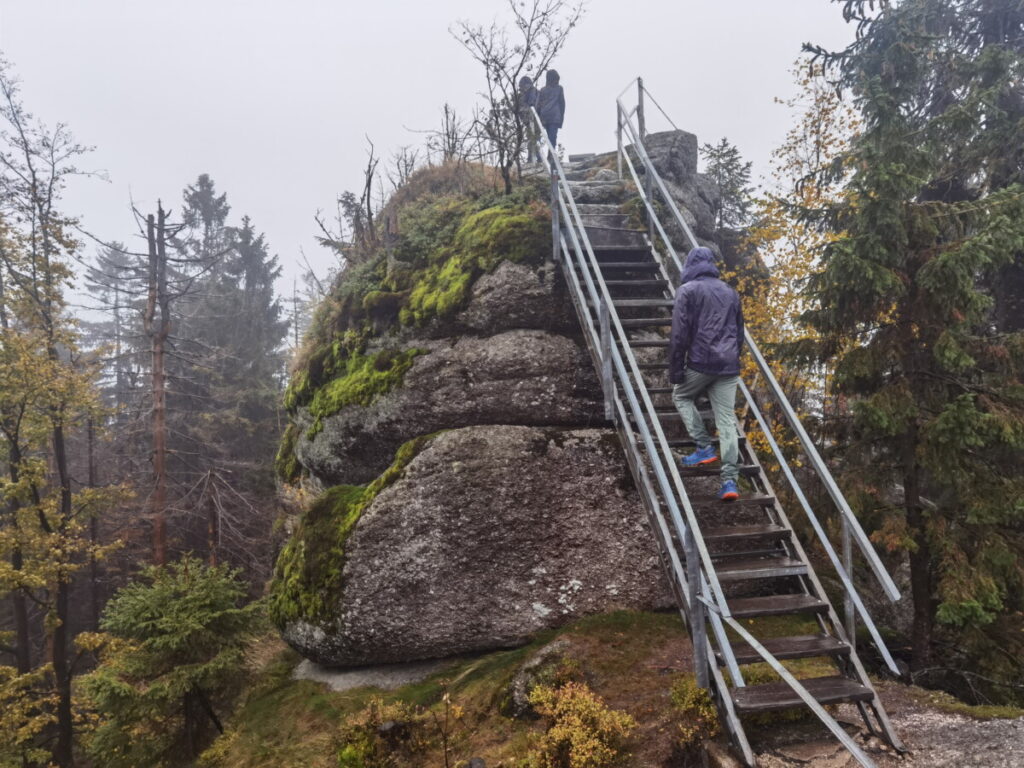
point(700, 568)
point(665, 451)
point(817, 463)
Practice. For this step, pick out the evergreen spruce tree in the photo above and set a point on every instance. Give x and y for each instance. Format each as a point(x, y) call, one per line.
point(931, 219)
point(172, 658)
point(724, 164)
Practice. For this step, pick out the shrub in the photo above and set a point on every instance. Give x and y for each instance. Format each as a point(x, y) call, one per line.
point(173, 655)
point(381, 733)
point(697, 713)
point(583, 732)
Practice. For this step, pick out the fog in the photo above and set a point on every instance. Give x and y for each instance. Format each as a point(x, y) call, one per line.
point(275, 100)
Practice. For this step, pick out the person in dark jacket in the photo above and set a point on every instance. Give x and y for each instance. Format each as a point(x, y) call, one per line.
point(704, 357)
point(551, 106)
point(527, 100)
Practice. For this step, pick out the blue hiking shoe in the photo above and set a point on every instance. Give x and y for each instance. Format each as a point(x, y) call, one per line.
point(700, 456)
point(729, 491)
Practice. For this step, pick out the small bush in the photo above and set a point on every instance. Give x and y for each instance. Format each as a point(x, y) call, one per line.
point(173, 655)
point(382, 733)
point(696, 711)
point(583, 733)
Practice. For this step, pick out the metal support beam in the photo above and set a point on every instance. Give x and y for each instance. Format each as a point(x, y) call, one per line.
point(640, 108)
point(698, 628)
point(849, 610)
point(618, 139)
point(607, 382)
point(555, 216)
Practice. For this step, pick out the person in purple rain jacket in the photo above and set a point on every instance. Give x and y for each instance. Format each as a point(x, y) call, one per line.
point(704, 357)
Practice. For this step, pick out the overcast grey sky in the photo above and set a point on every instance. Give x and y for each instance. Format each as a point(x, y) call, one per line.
point(273, 98)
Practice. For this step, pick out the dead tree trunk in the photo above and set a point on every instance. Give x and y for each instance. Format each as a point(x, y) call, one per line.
point(156, 322)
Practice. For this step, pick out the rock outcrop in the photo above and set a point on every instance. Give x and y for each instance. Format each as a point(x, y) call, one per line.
point(521, 516)
point(491, 534)
point(526, 377)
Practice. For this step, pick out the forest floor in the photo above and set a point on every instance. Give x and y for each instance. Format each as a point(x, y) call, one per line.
point(631, 660)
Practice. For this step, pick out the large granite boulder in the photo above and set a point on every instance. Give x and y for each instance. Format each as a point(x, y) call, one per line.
point(517, 377)
point(515, 297)
point(491, 534)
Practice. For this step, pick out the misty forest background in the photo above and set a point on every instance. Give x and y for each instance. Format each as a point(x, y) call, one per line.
point(142, 379)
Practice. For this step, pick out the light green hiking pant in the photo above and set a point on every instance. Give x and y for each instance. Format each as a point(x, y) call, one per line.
point(721, 391)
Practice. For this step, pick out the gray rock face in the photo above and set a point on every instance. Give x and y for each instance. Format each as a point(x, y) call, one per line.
point(493, 533)
point(674, 154)
point(517, 377)
point(514, 296)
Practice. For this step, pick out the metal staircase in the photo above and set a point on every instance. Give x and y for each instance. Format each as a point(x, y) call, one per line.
point(726, 562)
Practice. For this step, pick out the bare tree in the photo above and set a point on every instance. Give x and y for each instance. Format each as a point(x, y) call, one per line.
point(403, 164)
point(353, 233)
point(538, 32)
point(453, 141)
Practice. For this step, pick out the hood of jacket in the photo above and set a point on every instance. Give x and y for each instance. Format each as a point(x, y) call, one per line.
point(551, 78)
point(700, 262)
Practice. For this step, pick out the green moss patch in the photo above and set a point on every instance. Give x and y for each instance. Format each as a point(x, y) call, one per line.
point(286, 464)
point(362, 379)
point(307, 576)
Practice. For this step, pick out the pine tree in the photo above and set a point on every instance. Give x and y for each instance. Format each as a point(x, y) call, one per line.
point(724, 164)
point(226, 403)
point(932, 215)
point(172, 657)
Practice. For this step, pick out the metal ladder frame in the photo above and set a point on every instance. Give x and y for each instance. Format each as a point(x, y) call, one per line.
point(693, 577)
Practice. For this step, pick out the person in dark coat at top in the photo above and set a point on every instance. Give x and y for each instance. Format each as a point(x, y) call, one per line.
point(551, 106)
point(527, 100)
point(704, 357)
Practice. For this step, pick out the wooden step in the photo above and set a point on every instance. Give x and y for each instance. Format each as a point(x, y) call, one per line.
point(636, 266)
point(642, 343)
point(715, 469)
point(687, 442)
point(754, 500)
point(647, 322)
point(726, 533)
point(743, 569)
point(772, 696)
point(775, 605)
point(668, 303)
point(794, 647)
point(636, 284)
point(638, 249)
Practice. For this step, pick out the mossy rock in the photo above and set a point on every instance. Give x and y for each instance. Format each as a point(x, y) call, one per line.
point(307, 575)
point(286, 464)
point(362, 380)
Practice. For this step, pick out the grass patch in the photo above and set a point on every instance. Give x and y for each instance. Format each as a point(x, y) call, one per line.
point(946, 702)
point(286, 723)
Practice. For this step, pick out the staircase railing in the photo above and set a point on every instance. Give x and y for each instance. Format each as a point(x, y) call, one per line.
point(609, 345)
point(851, 527)
point(695, 583)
